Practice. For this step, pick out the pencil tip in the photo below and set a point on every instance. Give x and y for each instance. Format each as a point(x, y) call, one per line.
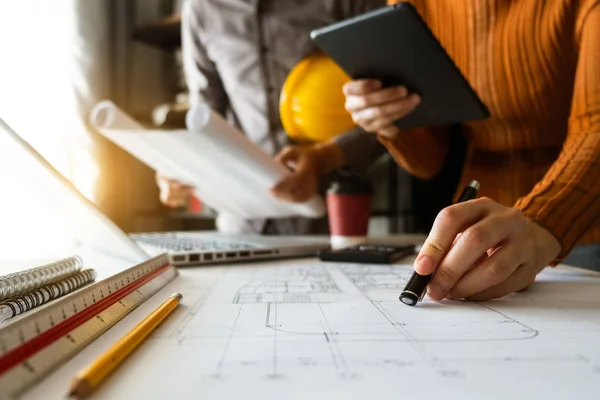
point(178, 296)
point(80, 389)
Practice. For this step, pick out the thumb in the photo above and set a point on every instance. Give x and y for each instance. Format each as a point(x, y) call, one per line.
point(284, 184)
point(389, 132)
point(287, 188)
point(425, 264)
point(448, 224)
point(289, 155)
point(432, 253)
point(286, 156)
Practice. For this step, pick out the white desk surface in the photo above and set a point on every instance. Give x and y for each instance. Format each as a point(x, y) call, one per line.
point(300, 329)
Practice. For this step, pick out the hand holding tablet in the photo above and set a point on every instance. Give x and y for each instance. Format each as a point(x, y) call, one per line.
point(394, 46)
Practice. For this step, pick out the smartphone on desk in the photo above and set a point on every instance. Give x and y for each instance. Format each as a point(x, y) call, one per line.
point(368, 254)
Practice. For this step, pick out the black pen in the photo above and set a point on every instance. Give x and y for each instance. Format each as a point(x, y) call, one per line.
point(416, 287)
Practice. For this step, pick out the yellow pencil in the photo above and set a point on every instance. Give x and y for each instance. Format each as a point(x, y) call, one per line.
point(91, 377)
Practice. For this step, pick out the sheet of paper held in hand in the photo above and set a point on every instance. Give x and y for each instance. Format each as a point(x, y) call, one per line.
point(301, 329)
point(230, 173)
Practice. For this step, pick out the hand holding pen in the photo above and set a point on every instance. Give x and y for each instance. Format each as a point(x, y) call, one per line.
point(416, 286)
point(481, 250)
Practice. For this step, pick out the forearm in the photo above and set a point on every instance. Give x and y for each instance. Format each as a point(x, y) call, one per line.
point(355, 149)
point(421, 152)
point(567, 200)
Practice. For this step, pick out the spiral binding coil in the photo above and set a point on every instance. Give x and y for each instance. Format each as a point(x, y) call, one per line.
point(18, 283)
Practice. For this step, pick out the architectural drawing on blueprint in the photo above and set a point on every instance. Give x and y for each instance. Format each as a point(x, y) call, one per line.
point(345, 319)
point(295, 285)
point(305, 329)
point(377, 277)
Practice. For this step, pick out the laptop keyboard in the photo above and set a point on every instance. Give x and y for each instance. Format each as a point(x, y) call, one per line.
point(172, 242)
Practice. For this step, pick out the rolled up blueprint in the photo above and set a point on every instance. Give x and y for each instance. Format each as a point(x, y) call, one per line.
point(229, 173)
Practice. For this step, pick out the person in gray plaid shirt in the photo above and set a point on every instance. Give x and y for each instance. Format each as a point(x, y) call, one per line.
point(236, 56)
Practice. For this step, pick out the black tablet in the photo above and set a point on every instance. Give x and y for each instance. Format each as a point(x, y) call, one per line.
point(393, 44)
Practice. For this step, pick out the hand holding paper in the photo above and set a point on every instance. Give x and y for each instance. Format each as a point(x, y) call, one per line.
point(173, 193)
point(230, 173)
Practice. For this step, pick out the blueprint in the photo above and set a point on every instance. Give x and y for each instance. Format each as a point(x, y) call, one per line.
point(228, 171)
point(302, 329)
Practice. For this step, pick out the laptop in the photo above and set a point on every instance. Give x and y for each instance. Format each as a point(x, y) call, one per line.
point(94, 229)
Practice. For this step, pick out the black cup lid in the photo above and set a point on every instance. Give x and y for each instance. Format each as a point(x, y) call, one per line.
point(352, 184)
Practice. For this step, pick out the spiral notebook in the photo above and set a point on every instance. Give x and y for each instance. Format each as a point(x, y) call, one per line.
point(32, 299)
point(21, 282)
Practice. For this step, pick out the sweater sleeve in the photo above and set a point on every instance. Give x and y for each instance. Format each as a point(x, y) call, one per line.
point(567, 200)
point(421, 152)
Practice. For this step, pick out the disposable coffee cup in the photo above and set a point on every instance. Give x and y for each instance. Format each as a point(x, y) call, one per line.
point(349, 210)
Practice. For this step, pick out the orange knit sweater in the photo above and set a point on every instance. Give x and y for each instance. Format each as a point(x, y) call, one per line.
point(536, 65)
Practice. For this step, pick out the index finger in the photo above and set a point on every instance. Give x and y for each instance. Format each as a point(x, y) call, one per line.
point(286, 154)
point(178, 186)
point(361, 86)
point(448, 224)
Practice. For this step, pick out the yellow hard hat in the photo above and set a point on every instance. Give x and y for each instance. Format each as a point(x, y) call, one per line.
point(312, 102)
